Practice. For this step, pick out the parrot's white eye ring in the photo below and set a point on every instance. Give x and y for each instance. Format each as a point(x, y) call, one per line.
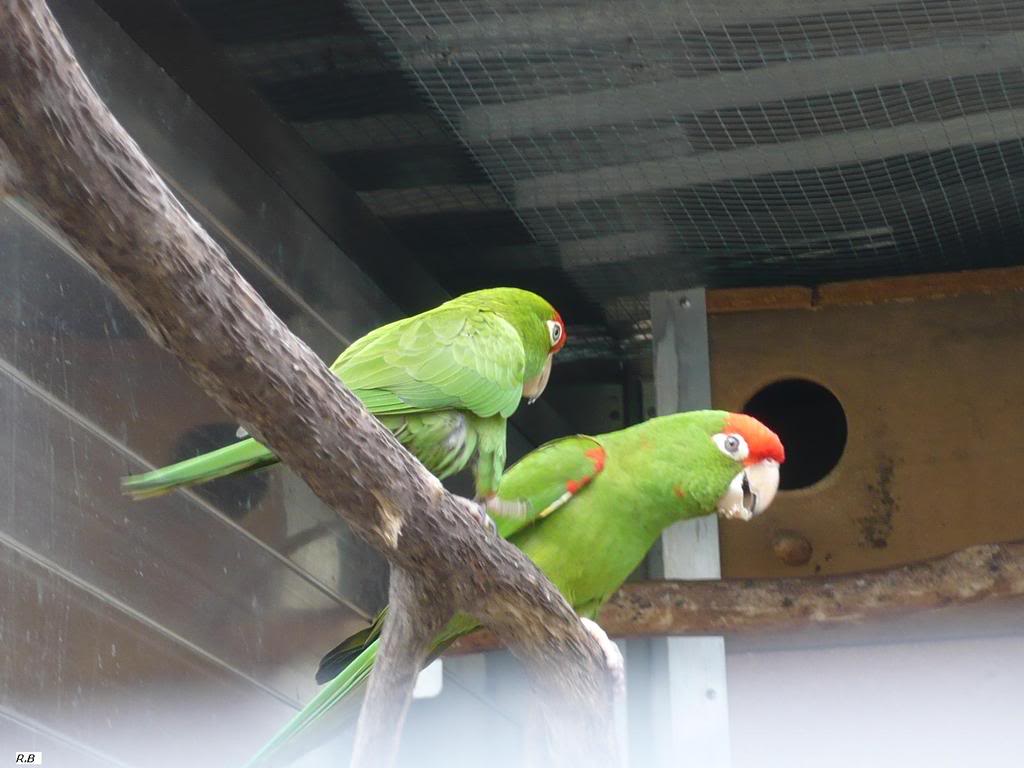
point(732, 445)
point(554, 331)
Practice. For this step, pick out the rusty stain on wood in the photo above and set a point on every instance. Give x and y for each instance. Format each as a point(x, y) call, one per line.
point(876, 527)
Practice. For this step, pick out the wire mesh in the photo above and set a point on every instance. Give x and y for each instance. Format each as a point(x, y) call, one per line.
point(666, 144)
point(617, 147)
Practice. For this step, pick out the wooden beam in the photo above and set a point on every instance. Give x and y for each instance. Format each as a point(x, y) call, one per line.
point(726, 301)
point(401, 202)
point(826, 151)
point(744, 606)
point(670, 98)
point(507, 28)
point(939, 285)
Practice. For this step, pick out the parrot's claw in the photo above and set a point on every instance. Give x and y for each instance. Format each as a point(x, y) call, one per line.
point(514, 508)
point(612, 655)
point(485, 519)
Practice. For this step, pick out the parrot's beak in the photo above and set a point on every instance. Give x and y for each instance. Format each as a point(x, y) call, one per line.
point(751, 491)
point(534, 388)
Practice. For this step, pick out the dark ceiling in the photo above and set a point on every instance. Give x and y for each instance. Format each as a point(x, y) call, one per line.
point(596, 151)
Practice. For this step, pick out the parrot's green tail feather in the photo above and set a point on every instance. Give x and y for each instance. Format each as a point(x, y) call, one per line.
point(349, 680)
point(245, 455)
point(343, 654)
point(337, 704)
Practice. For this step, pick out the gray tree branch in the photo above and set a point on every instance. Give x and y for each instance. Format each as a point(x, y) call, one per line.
point(743, 606)
point(66, 156)
point(415, 616)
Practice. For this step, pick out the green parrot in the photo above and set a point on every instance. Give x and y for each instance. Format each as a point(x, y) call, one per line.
point(444, 382)
point(596, 505)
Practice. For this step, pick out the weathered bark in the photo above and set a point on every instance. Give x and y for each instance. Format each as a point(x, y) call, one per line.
point(63, 153)
point(742, 606)
point(977, 573)
point(415, 618)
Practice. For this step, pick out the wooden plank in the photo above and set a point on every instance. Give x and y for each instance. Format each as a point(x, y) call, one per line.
point(932, 286)
point(819, 152)
point(937, 285)
point(728, 300)
point(792, 79)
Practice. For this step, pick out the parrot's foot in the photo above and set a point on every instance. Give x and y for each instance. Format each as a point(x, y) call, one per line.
point(514, 508)
point(485, 519)
point(612, 655)
point(492, 505)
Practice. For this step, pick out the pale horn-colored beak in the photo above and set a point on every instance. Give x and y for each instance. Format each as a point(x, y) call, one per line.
point(534, 388)
point(751, 491)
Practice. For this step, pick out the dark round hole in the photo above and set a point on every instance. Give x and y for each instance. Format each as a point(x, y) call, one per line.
point(811, 423)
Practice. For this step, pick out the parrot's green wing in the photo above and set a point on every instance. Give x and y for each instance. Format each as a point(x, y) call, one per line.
point(545, 479)
point(451, 357)
point(548, 477)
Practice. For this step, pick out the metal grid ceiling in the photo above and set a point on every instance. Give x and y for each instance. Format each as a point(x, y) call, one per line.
point(606, 149)
point(655, 144)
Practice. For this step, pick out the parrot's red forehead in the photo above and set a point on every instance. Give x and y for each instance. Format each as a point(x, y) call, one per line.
point(762, 442)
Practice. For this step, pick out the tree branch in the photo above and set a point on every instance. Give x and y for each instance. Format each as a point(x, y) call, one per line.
point(63, 153)
point(741, 606)
point(415, 616)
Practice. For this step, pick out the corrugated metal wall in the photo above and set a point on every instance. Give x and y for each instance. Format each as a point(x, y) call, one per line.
point(183, 629)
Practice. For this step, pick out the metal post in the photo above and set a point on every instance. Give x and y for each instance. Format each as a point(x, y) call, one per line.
point(690, 707)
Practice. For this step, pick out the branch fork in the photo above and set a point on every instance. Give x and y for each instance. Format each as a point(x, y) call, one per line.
point(66, 156)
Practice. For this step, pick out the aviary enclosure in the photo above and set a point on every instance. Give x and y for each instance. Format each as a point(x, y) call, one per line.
point(806, 212)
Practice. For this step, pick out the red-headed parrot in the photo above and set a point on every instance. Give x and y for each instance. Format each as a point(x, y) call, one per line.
point(444, 382)
point(596, 506)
